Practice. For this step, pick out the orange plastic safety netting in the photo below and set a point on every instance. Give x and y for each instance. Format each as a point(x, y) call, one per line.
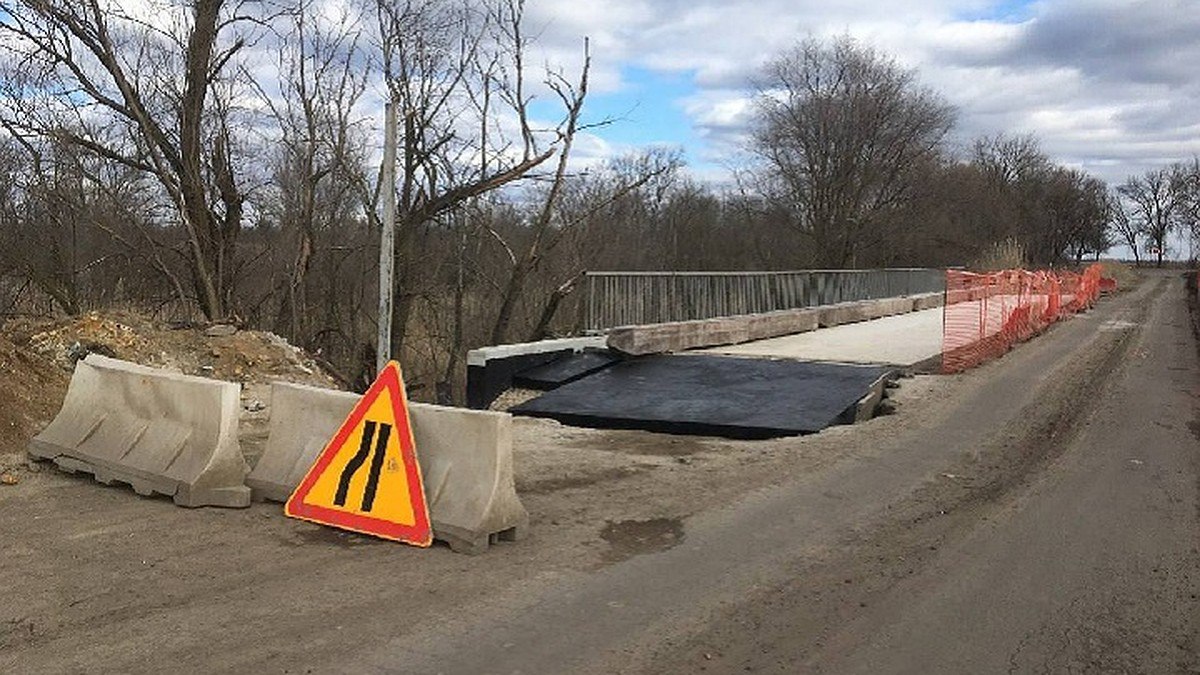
point(986, 314)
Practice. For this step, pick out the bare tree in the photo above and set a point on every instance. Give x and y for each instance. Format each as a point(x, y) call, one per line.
point(840, 129)
point(1009, 160)
point(1155, 205)
point(1075, 219)
point(1188, 186)
point(321, 81)
point(1127, 228)
point(446, 62)
point(138, 90)
point(612, 210)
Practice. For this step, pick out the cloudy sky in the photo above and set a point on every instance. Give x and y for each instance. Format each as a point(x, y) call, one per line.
point(1111, 86)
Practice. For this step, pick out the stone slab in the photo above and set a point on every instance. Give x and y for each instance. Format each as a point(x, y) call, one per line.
point(784, 322)
point(678, 336)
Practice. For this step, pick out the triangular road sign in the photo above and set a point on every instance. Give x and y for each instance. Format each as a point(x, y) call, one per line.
point(367, 478)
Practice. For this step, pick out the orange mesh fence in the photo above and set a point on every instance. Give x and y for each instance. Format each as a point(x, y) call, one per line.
point(986, 314)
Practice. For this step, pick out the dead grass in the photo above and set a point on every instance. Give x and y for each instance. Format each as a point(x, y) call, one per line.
point(1126, 275)
point(1002, 255)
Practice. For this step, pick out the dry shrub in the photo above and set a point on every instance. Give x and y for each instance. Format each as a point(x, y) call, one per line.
point(1125, 275)
point(1007, 254)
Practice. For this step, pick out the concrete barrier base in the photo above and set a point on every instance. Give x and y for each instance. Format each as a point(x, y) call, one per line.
point(465, 457)
point(155, 430)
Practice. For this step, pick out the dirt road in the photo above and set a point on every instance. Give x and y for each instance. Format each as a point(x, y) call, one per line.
point(1082, 557)
point(1039, 513)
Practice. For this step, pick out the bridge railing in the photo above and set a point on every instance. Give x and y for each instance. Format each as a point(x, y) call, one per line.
point(629, 298)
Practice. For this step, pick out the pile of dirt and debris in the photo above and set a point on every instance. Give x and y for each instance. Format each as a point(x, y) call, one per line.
point(31, 390)
point(38, 355)
point(219, 352)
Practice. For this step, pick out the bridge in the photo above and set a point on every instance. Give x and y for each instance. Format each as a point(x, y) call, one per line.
point(759, 355)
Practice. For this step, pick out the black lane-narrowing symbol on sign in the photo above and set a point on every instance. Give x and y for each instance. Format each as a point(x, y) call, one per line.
point(356, 462)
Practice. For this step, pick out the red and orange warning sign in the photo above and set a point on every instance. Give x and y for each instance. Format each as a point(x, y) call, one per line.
point(367, 478)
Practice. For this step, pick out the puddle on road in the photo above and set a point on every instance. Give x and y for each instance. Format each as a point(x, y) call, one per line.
point(628, 538)
point(342, 538)
point(1194, 426)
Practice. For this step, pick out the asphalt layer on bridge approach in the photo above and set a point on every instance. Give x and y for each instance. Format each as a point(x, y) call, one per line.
point(710, 395)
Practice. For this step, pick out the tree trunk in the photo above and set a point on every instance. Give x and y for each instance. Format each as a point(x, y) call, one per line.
point(208, 247)
point(516, 283)
point(542, 330)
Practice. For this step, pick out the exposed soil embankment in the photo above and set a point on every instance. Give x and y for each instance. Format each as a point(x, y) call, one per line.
point(37, 356)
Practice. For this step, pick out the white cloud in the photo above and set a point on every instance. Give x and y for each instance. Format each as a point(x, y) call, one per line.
point(1108, 85)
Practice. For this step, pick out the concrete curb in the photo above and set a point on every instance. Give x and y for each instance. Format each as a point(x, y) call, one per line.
point(465, 455)
point(156, 430)
point(490, 370)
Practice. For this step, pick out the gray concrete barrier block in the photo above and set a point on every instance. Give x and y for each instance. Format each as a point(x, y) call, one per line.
point(303, 420)
point(156, 430)
point(678, 336)
point(467, 465)
point(958, 296)
point(784, 322)
point(465, 455)
point(928, 301)
point(682, 335)
point(642, 340)
point(894, 306)
point(841, 313)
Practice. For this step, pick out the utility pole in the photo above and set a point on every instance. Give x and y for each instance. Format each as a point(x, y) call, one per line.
point(387, 239)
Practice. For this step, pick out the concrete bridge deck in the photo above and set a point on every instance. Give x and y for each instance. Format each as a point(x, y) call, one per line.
point(903, 340)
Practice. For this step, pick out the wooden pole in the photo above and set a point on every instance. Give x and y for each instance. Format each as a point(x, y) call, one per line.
point(387, 240)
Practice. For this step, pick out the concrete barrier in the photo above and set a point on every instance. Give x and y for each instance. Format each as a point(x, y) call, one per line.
point(785, 322)
point(864, 310)
point(842, 313)
point(877, 309)
point(678, 336)
point(303, 419)
point(971, 295)
point(159, 431)
point(928, 301)
point(465, 455)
